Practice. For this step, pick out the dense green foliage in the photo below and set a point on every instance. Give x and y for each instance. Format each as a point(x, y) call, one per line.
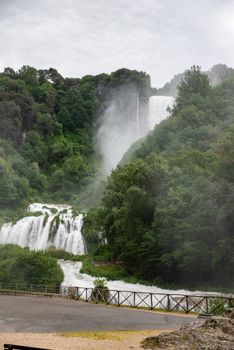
point(168, 213)
point(48, 124)
point(217, 74)
point(62, 254)
point(47, 151)
point(109, 271)
point(19, 265)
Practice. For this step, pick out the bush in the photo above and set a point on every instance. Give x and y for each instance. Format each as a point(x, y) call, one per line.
point(218, 306)
point(103, 253)
point(110, 272)
point(100, 291)
point(20, 265)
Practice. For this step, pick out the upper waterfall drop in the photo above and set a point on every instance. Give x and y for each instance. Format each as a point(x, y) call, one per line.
point(158, 106)
point(122, 123)
point(49, 226)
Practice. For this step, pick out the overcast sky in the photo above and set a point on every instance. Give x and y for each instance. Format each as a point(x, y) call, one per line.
point(79, 37)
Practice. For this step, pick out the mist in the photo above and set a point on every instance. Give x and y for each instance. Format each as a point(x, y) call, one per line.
point(122, 123)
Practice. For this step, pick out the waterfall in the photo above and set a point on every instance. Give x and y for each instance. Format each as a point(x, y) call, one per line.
point(137, 116)
point(158, 109)
point(123, 122)
point(48, 226)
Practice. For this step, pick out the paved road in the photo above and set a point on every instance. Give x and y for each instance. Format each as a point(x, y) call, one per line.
point(33, 314)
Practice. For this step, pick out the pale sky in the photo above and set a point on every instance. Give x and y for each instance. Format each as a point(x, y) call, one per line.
point(79, 37)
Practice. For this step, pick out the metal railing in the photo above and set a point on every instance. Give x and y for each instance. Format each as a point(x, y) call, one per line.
point(32, 288)
point(202, 304)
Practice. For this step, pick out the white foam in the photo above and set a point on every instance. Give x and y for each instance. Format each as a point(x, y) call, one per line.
point(53, 228)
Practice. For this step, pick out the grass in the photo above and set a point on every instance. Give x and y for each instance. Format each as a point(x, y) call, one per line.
point(61, 254)
point(93, 335)
point(105, 335)
point(109, 271)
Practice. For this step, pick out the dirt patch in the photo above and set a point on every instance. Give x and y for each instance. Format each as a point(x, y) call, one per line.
point(119, 340)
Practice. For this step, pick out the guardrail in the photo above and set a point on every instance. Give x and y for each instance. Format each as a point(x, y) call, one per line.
point(33, 288)
point(202, 304)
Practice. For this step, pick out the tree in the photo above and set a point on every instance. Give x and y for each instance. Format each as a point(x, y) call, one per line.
point(193, 87)
point(11, 121)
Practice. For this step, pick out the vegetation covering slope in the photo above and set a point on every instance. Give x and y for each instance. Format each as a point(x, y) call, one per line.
point(217, 74)
point(19, 265)
point(47, 149)
point(168, 213)
point(48, 123)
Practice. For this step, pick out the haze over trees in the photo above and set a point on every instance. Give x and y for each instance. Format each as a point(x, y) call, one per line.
point(217, 74)
point(167, 209)
point(168, 213)
point(48, 123)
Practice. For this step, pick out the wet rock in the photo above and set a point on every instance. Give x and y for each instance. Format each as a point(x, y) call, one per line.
point(216, 333)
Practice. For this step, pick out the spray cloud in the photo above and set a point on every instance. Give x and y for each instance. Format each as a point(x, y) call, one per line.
point(122, 123)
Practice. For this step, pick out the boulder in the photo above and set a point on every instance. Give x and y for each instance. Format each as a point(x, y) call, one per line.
point(216, 333)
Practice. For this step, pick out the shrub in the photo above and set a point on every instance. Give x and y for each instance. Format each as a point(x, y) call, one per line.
point(218, 306)
point(100, 291)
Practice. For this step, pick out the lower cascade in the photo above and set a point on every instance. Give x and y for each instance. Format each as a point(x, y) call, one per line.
point(48, 225)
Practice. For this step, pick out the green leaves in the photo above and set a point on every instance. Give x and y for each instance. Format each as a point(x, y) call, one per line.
point(169, 211)
point(52, 122)
point(19, 265)
point(193, 88)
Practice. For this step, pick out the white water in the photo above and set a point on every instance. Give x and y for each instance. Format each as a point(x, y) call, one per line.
point(122, 124)
point(73, 278)
point(158, 109)
point(44, 231)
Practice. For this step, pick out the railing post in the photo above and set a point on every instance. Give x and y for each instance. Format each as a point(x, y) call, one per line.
point(97, 295)
point(151, 301)
point(46, 288)
point(186, 303)
point(134, 299)
point(207, 305)
point(118, 298)
point(86, 294)
point(168, 303)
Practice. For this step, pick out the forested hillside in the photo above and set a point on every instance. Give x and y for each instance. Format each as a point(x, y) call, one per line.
point(19, 265)
point(48, 123)
point(168, 214)
point(167, 210)
point(217, 74)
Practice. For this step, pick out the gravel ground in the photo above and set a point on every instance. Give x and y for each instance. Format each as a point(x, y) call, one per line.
point(82, 341)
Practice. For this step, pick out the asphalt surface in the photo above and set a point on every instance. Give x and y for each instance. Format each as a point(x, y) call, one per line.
point(20, 314)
